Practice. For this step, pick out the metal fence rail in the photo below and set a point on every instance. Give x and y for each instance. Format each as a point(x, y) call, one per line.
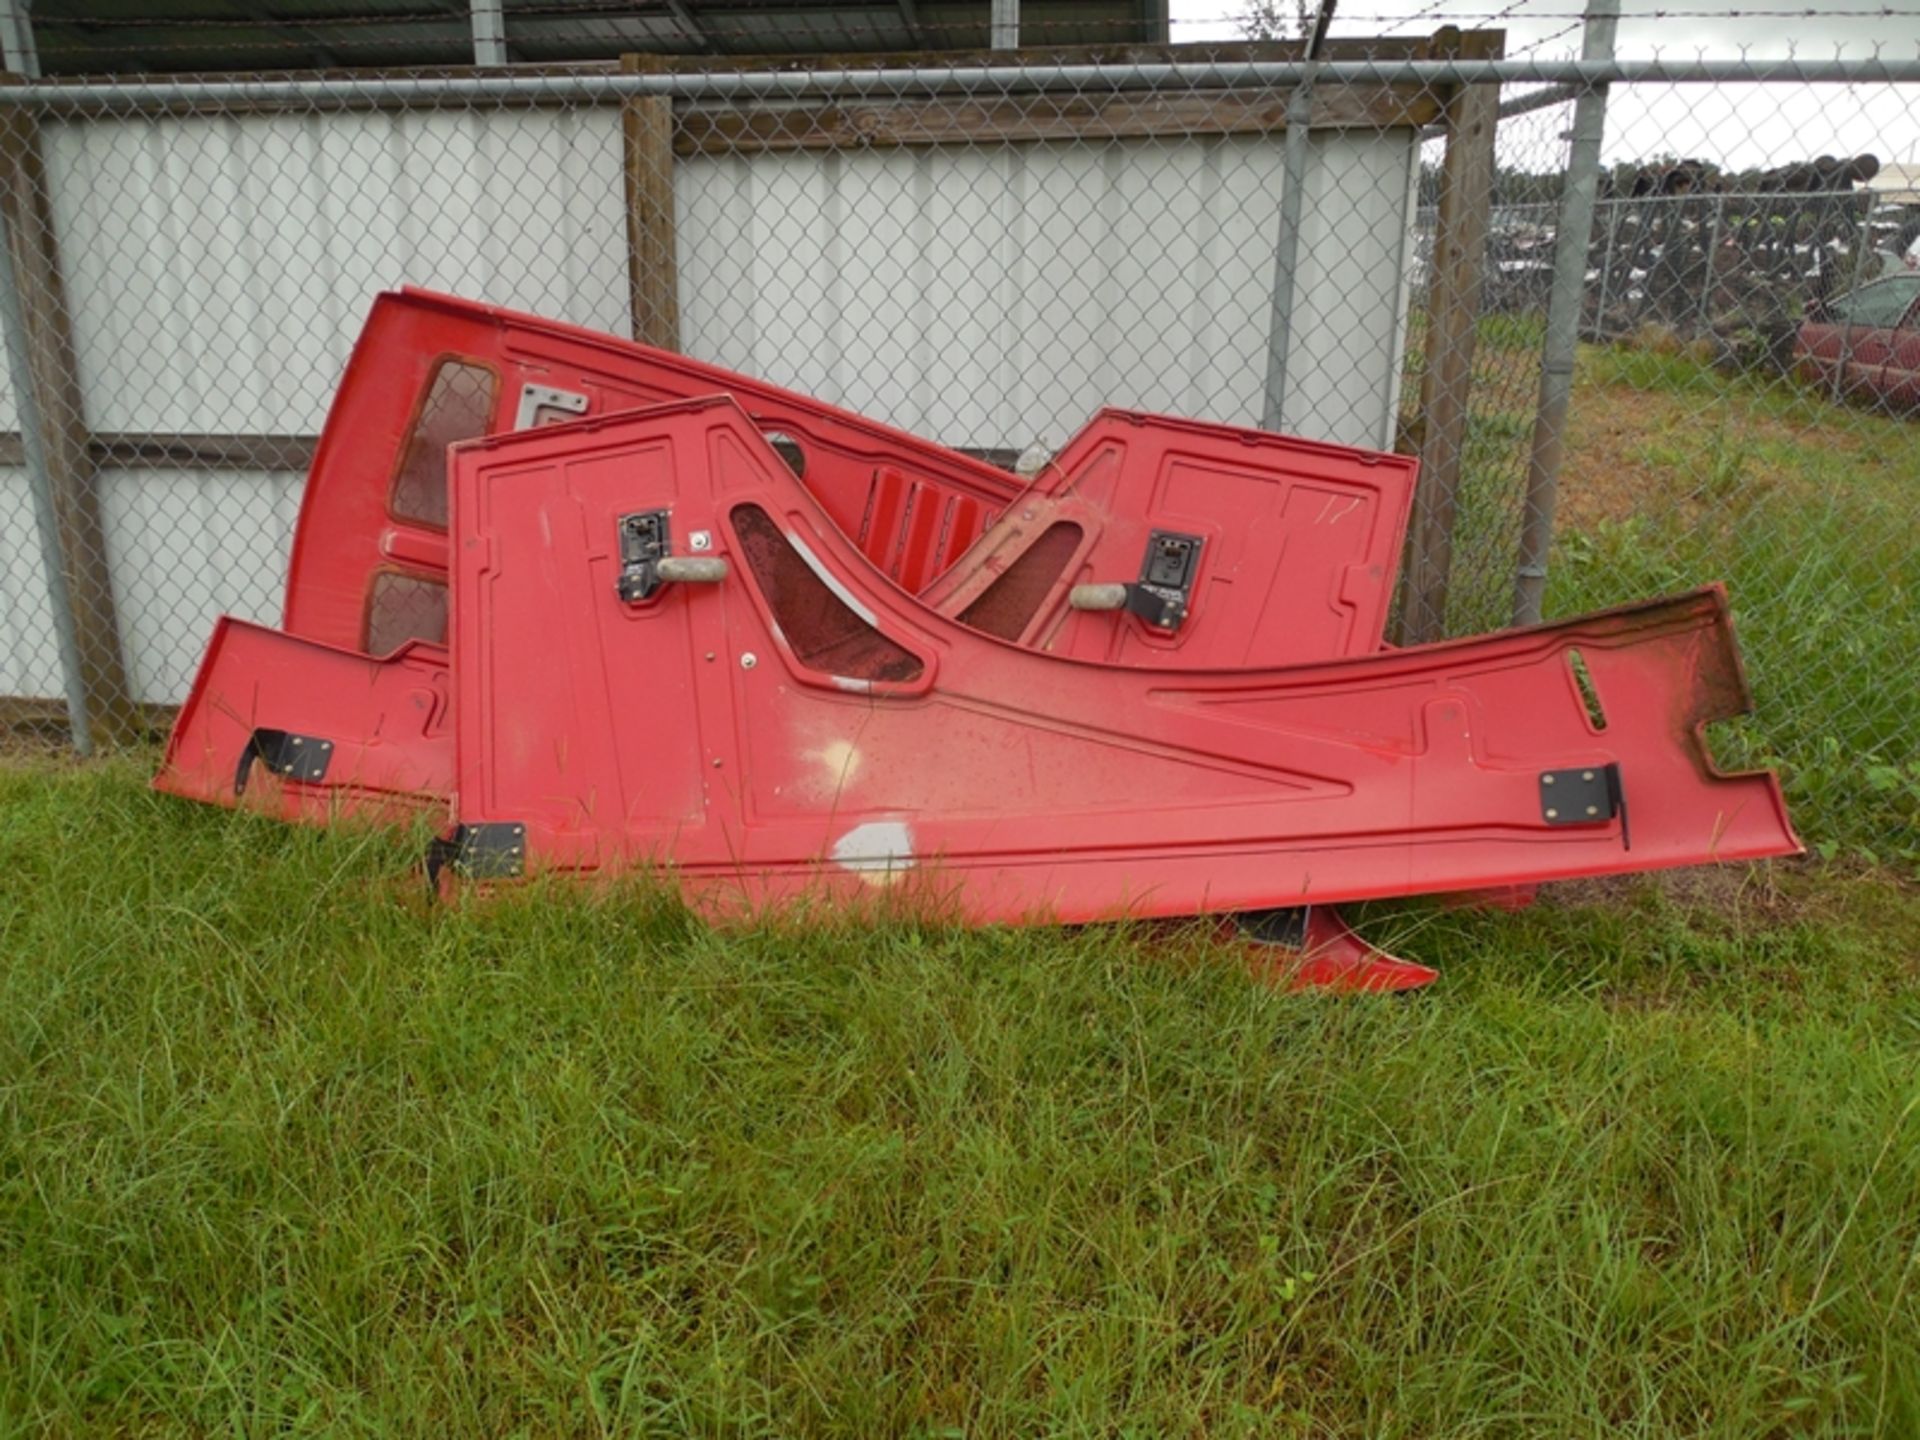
point(985, 252)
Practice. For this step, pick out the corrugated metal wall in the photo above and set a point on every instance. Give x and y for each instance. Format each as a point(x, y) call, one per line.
point(217, 271)
point(997, 296)
point(185, 547)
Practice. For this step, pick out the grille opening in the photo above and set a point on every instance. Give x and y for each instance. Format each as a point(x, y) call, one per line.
point(821, 629)
point(1589, 692)
point(1007, 606)
point(458, 406)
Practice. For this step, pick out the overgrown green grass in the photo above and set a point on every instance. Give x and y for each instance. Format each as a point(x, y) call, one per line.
point(1811, 514)
point(285, 1149)
point(1808, 509)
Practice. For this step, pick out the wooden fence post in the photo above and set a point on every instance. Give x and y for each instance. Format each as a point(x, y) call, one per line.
point(47, 391)
point(1453, 310)
point(646, 144)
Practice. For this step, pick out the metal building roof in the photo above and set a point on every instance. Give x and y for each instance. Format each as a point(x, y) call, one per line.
point(100, 37)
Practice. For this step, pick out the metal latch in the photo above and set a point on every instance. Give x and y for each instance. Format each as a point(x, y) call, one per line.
point(647, 561)
point(644, 543)
point(1160, 596)
point(1166, 579)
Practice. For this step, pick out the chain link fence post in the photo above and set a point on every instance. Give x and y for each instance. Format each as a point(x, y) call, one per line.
point(45, 512)
point(1573, 238)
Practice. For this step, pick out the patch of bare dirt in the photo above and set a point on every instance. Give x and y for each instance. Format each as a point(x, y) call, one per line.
point(1761, 893)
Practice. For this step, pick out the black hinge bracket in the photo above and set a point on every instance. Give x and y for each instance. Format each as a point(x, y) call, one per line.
point(290, 756)
point(644, 542)
point(1160, 597)
point(1587, 795)
point(496, 850)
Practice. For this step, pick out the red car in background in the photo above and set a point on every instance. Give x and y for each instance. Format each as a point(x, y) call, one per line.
point(1866, 344)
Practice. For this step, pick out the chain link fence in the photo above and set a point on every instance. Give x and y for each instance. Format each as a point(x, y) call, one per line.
point(985, 252)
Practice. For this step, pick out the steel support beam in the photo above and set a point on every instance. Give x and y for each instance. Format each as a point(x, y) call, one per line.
point(1572, 239)
point(333, 92)
point(489, 33)
point(1004, 25)
point(17, 48)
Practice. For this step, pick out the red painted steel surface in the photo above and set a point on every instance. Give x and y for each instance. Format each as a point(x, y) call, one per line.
point(1332, 957)
point(912, 505)
point(1110, 791)
point(386, 720)
point(1300, 542)
point(805, 725)
point(1302, 537)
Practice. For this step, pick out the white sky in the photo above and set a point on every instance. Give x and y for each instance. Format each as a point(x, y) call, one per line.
point(1735, 126)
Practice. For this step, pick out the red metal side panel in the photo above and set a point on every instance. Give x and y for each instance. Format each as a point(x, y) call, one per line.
point(385, 721)
point(371, 576)
point(1299, 542)
point(355, 520)
point(704, 729)
point(1302, 537)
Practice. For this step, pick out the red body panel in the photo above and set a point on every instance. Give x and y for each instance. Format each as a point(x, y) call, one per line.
point(935, 500)
point(1320, 525)
point(1299, 539)
point(805, 724)
point(1299, 544)
point(386, 722)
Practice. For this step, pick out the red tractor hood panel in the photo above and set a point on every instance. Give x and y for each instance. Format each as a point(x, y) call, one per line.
point(619, 631)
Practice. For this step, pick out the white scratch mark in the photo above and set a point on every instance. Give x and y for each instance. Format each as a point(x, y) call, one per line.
point(879, 852)
point(1352, 504)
